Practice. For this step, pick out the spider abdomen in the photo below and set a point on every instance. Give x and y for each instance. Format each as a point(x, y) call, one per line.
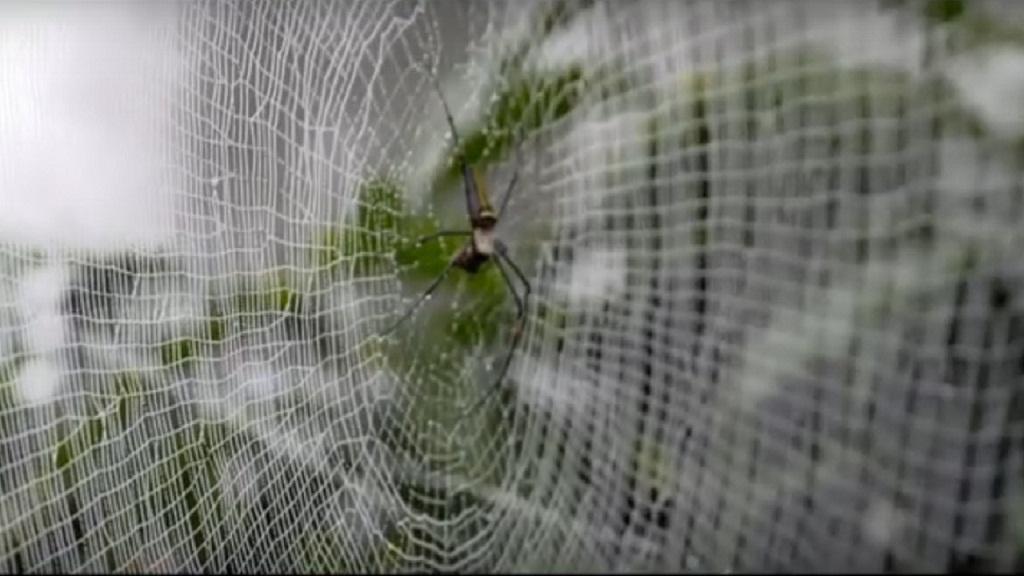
point(470, 259)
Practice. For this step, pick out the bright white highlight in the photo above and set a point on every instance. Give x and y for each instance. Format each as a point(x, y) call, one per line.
point(80, 109)
point(38, 381)
point(992, 85)
point(40, 304)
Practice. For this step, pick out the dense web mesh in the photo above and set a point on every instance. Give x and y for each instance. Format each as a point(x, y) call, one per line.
point(777, 308)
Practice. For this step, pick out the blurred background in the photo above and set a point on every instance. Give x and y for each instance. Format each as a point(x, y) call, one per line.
point(774, 249)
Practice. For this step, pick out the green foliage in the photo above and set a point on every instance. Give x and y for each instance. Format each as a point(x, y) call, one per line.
point(187, 486)
point(944, 11)
point(184, 478)
point(935, 11)
point(490, 294)
point(384, 232)
point(974, 24)
point(397, 546)
point(526, 104)
point(80, 440)
point(8, 371)
point(99, 425)
point(650, 465)
point(385, 229)
point(554, 16)
point(380, 208)
point(177, 351)
point(328, 250)
point(215, 329)
point(551, 314)
point(366, 243)
point(560, 14)
point(287, 300)
point(320, 554)
point(422, 263)
point(127, 387)
point(964, 261)
point(982, 30)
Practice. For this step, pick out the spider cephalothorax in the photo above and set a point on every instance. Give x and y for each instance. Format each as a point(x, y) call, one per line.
point(482, 246)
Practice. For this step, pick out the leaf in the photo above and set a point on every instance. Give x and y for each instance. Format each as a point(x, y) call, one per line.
point(366, 243)
point(527, 104)
point(944, 11)
point(177, 351)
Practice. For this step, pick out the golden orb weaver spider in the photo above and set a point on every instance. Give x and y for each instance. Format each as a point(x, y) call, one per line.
point(483, 246)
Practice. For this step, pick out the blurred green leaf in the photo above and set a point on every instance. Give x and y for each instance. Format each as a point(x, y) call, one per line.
point(327, 250)
point(8, 372)
point(80, 440)
point(944, 11)
point(187, 486)
point(527, 104)
point(126, 385)
point(651, 465)
point(366, 243)
point(321, 555)
point(177, 351)
point(215, 329)
point(287, 300)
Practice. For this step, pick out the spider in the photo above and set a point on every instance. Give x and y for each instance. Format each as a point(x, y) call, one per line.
point(483, 246)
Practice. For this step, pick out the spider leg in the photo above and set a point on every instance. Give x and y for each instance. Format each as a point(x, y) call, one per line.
point(442, 233)
point(502, 251)
point(424, 296)
point(515, 177)
point(447, 112)
point(508, 191)
point(520, 309)
point(473, 195)
point(521, 302)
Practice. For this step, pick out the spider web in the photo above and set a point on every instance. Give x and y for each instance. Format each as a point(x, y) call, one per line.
point(777, 318)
